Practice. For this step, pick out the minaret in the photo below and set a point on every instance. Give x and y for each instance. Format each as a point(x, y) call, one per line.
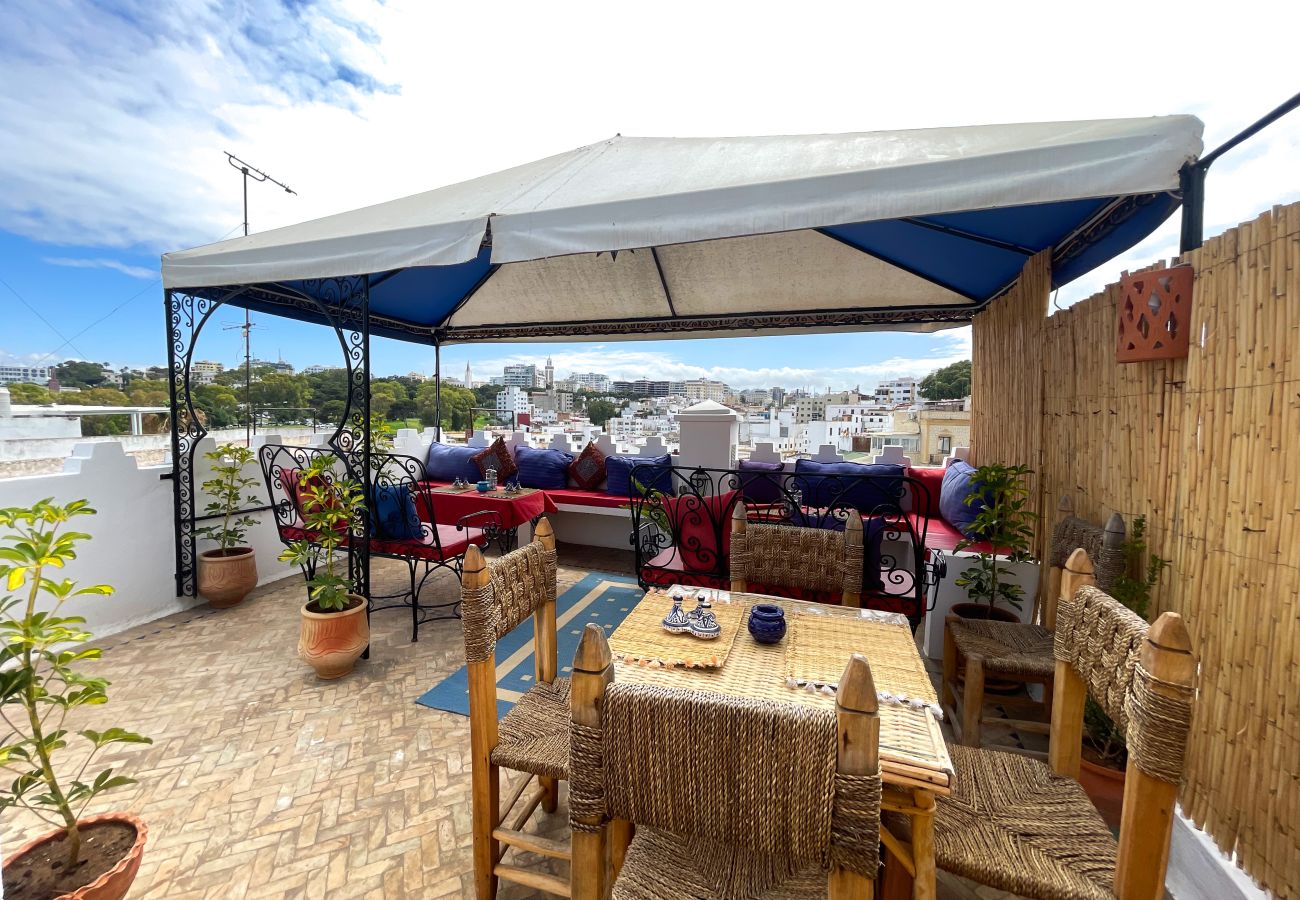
point(469, 378)
point(550, 374)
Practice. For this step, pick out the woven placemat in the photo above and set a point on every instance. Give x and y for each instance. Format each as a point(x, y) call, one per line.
point(642, 640)
point(497, 494)
point(818, 646)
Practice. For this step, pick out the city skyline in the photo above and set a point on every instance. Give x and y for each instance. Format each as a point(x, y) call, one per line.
point(864, 378)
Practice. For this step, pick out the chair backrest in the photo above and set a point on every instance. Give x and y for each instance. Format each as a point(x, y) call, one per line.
point(769, 788)
point(1104, 546)
point(815, 559)
point(282, 466)
point(497, 596)
point(1143, 678)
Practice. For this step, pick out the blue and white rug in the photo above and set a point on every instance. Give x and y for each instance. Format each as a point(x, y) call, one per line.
point(600, 597)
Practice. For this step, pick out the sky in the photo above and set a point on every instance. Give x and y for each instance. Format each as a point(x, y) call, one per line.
point(116, 116)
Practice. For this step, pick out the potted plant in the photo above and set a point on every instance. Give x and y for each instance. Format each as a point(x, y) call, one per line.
point(1003, 522)
point(1105, 754)
point(95, 857)
point(335, 629)
point(228, 571)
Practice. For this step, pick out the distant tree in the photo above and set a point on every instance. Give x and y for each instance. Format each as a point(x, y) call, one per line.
point(384, 395)
point(30, 394)
point(219, 404)
point(78, 373)
point(457, 403)
point(154, 373)
point(601, 411)
point(949, 383)
point(144, 392)
point(274, 391)
point(100, 396)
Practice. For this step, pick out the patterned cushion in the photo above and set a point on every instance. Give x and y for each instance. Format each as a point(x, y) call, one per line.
point(547, 469)
point(588, 471)
point(497, 456)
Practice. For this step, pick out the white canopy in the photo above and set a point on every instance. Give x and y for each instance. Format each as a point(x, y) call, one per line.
point(729, 228)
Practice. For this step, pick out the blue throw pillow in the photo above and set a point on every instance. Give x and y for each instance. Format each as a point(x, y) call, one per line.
point(762, 484)
point(952, 497)
point(618, 470)
point(394, 515)
point(548, 469)
point(867, 488)
point(446, 462)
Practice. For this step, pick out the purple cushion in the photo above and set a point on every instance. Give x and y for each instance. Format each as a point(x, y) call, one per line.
point(866, 488)
point(446, 462)
point(957, 484)
point(764, 488)
point(547, 469)
point(618, 471)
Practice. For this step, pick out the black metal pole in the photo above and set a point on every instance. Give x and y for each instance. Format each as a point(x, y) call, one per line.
point(437, 389)
point(1191, 177)
point(177, 511)
point(248, 335)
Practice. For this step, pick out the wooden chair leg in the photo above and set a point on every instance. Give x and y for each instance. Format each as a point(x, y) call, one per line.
point(972, 711)
point(948, 686)
point(486, 787)
point(925, 886)
point(550, 793)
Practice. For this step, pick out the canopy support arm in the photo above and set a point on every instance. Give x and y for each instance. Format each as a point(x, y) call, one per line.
point(1191, 177)
point(663, 282)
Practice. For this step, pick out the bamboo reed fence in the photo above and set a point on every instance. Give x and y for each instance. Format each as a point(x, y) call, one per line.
point(1208, 449)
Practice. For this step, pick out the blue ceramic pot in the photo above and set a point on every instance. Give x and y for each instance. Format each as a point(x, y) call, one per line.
point(767, 623)
point(484, 487)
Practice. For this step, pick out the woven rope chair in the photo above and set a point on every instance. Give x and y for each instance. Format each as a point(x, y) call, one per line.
point(730, 797)
point(974, 649)
point(811, 559)
point(533, 737)
point(1019, 825)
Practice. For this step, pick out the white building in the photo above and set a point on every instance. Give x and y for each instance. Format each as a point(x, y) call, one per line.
point(205, 371)
point(756, 397)
point(898, 392)
point(809, 409)
point(550, 373)
point(698, 389)
point(513, 401)
point(521, 376)
point(591, 380)
point(10, 374)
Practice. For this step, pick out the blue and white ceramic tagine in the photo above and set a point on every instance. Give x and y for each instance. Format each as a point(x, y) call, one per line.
point(676, 620)
point(704, 624)
point(767, 623)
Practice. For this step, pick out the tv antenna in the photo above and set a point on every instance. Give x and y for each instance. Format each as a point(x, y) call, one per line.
point(246, 326)
point(256, 174)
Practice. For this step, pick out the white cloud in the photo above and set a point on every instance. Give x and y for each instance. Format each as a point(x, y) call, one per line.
point(100, 263)
point(115, 120)
point(629, 365)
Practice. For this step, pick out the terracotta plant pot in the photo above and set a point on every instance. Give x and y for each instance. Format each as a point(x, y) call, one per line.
point(331, 642)
point(113, 884)
point(226, 577)
point(983, 611)
point(1105, 788)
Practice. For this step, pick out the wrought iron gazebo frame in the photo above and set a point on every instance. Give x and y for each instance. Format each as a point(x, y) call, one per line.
point(343, 304)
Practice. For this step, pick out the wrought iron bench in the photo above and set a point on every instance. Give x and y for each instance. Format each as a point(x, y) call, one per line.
point(681, 527)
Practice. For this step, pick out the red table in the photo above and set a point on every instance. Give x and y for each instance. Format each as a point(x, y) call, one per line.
point(514, 510)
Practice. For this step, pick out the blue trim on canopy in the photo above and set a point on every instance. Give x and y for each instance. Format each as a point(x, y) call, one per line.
point(976, 254)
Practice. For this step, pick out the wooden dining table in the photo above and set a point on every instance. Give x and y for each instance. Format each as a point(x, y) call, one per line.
point(802, 668)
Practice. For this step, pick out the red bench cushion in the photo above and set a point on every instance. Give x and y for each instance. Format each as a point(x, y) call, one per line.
point(576, 497)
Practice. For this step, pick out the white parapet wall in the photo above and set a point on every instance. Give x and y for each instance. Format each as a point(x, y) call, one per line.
point(132, 546)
